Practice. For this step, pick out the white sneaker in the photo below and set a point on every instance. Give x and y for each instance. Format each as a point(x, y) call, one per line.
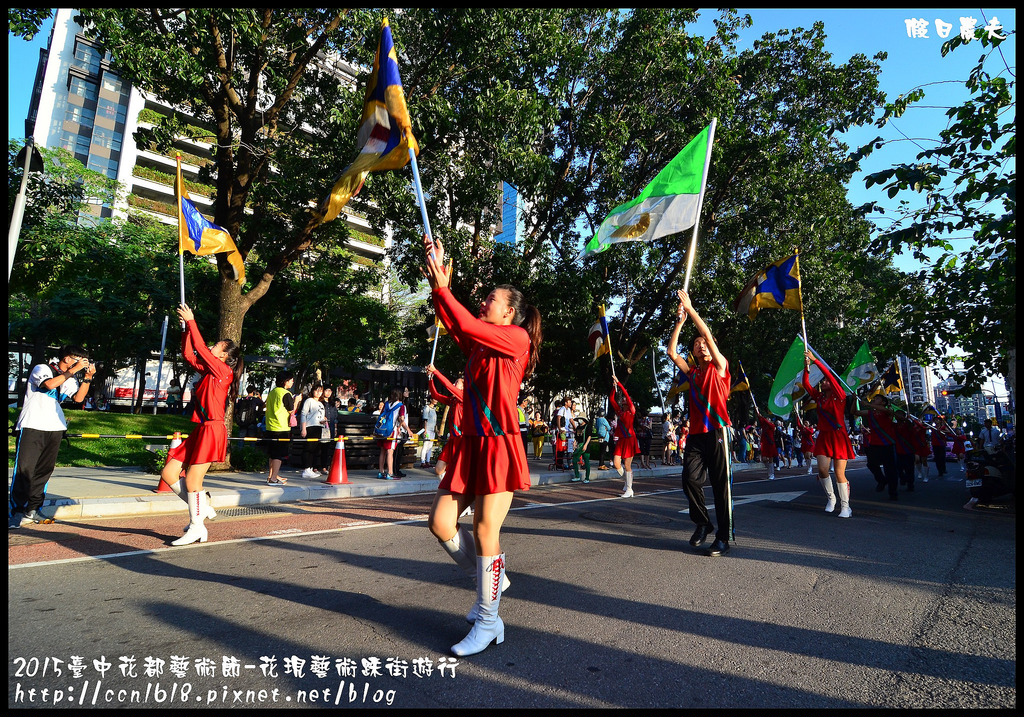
point(310, 473)
point(845, 512)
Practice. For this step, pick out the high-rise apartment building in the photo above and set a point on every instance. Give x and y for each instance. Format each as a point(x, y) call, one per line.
point(81, 103)
point(917, 381)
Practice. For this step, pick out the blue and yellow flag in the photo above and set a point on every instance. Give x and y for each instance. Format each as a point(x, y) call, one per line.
point(202, 237)
point(739, 380)
point(385, 135)
point(598, 337)
point(681, 381)
point(890, 381)
point(776, 287)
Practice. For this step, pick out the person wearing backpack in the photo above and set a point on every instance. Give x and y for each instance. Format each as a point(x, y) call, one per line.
point(391, 419)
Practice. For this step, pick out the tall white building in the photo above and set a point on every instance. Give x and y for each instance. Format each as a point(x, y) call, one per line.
point(81, 103)
point(917, 381)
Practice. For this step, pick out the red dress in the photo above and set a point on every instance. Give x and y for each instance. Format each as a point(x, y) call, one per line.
point(921, 444)
point(959, 449)
point(806, 439)
point(833, 439)
point(491, 456)
point(454, 402)
point(768, 447)
point(626, 444)
point(208, 443)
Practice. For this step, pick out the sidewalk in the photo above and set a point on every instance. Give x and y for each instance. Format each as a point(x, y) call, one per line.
point(75, 493)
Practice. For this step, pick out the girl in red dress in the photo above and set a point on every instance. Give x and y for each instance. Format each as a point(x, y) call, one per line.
point(626, 444)
point(769, 451)
point(806, 441)
point(454, 403)
point(833, 441)
point(220, 366)
point(501, 344)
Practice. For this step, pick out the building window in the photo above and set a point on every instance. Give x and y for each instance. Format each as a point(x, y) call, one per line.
point(105, 109)
point(87, 57)
point(83, 88)
point(81, 115)
point(112, 83)
point(103, 137)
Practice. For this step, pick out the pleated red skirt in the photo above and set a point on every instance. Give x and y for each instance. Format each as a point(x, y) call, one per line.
point(483, 465)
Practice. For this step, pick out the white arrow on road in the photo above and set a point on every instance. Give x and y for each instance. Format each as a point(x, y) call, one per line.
point(776, 497)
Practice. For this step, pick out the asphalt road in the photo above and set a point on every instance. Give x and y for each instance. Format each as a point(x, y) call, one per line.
point(910, 603)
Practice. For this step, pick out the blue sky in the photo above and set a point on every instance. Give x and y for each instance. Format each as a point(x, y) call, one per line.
point(911, 62)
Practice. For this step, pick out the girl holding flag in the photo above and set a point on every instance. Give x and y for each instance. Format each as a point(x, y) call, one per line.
point(833, 441)
point(501, 344)
point(221, 366)
point(626, 444)
point(806, 441)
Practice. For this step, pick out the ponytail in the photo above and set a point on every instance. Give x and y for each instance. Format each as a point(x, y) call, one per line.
point(236, 362)
point(528, 318)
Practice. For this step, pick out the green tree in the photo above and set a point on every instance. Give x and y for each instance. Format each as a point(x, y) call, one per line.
point(967, 186)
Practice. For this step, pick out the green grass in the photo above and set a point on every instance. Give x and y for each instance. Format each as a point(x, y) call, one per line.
point(89, 452)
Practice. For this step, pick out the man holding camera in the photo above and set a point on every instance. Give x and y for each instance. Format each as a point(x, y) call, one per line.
point(41, 426)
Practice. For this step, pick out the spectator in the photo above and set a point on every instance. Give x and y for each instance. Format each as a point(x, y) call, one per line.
point(539, 431)
point(41, 426)
point(312, 419)
point(281, 407)
point(667, 439)
point(604, 433)
point(429, 431)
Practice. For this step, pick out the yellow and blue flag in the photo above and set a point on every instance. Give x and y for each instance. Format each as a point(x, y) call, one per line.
point(776, 287)
point(199, 235)
point(739, 380)
point(385, 135)
point(681, 381)
point(890, 381)
point(598, 337)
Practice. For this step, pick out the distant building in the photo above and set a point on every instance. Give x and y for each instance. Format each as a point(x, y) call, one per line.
point(917, 381)
point(956, 405)
point(511, 226)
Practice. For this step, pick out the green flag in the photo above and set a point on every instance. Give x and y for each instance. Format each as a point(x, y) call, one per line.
point(669, 204)
point(862, 370)
point(788, 380)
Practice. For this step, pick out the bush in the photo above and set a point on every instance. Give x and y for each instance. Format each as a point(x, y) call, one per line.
point(154, 462)
point(248, 459)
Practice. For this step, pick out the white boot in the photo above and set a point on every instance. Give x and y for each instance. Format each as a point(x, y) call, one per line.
point(771, 471)
point(844, 500)
point(209, 512)
point(490, 571)
point(628, 492)
point(462, 549)
point(826, 484)
point(196, 530)
point(619, 469)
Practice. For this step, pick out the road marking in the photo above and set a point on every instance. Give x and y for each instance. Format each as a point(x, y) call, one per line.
point(774, 497)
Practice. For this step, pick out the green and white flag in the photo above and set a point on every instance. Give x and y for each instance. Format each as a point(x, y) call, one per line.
point(669, 204)
point(788, 380)
point(862, 370)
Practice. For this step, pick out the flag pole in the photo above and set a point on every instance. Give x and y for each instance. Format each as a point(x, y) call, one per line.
point(800, 294)
point(700, 205)
point(611, 358)
point(419, 193)
point(181, 253)
point(654, 368)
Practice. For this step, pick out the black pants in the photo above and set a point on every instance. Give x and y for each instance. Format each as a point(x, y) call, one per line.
point(311, 450)
point(905, 468)
point(33, 465)
point(707, 455)
point(882, 464)
point(940, 459)
point(602, 453)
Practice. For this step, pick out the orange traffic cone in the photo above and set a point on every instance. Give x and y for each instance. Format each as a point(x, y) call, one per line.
point(339, 471)
point(163, 487)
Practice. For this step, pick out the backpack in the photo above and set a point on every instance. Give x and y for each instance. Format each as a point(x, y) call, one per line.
point(385, 425)
point(246, 413)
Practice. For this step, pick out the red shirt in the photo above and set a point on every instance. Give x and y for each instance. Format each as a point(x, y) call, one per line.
point(497, 358)
point(627, 414)
point(454, 401)
point(767, 431)
point(707, 388)
point(211, 395)
point(881, 431)
point(906, 440)
point(831, 411)
point(921, 440)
